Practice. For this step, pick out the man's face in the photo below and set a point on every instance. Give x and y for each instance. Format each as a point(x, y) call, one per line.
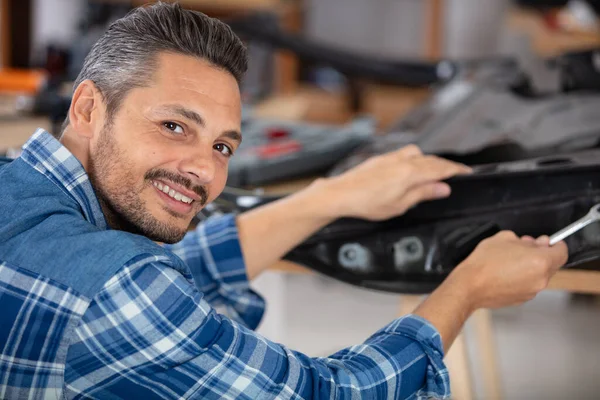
point(165, 153)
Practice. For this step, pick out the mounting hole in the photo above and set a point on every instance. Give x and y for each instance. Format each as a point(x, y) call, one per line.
point(554, 161)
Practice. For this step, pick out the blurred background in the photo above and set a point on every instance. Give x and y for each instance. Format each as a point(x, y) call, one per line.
point(323, 66)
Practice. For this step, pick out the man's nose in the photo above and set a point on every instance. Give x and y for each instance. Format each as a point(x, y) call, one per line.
point(199, 166)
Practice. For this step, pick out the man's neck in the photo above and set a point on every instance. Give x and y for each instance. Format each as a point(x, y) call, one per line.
point(77, 146)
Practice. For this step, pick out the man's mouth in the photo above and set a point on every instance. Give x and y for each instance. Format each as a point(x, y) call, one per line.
point(172, 193)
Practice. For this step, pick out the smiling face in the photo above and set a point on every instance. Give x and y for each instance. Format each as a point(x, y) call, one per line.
point(165, 153)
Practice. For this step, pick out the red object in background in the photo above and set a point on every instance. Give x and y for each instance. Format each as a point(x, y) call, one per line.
point(551, 20)
point(279, 148)
point(277, 133)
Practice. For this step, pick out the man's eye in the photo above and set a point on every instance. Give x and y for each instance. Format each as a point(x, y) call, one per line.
point(172, 126)
point(224, 149)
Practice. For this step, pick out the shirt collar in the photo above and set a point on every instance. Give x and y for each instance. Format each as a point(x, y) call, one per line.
point(49, 157)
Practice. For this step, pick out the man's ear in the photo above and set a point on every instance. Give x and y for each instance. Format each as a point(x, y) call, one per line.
point(86, 113)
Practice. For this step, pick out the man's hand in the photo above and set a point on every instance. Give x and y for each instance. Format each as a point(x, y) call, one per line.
point(505, 270)
point(386, 186)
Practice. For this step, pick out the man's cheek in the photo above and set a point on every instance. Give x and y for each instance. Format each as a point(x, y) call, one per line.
point(212, 195)
point(217, 188)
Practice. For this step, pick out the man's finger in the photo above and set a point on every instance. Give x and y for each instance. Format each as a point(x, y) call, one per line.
point(506, 235)
point(459, 166)
point(543, 240)
point(559, 254)
point(408, 151)
point(431, 169)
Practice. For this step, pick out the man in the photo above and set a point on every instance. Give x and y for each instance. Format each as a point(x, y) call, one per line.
point(92, 307)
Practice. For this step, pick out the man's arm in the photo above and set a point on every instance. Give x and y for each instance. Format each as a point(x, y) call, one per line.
point(150, 334)
point(216, 267)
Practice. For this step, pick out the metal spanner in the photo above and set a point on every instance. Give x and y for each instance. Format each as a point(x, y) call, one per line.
point(592, 216)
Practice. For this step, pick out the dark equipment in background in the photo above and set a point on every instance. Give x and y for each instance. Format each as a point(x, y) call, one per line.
point(483, 111)
point(262, 28)
point(545, 4)
point(500, 112)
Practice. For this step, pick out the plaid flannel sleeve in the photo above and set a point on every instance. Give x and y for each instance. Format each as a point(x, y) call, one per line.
point(150, 334)
point(213, 255)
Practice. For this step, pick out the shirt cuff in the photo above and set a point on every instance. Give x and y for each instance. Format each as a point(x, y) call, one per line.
point(222, 252)
point(437, 383)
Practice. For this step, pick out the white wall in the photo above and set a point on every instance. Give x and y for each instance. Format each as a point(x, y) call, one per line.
point(395, 28)
point(474, 28)
point(377, 27)
point(55, 21)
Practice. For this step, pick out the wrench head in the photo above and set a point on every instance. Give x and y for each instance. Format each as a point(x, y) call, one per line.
point(595, 212)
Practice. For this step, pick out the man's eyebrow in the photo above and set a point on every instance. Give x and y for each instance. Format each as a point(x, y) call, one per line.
point(186, 113)
point(233, 135)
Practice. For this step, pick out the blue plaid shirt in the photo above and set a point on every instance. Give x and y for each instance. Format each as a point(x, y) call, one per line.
point(90, 312)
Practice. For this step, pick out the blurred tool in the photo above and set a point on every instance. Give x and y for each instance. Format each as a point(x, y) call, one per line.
point(274, 150)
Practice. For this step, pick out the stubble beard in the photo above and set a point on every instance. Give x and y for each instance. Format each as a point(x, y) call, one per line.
point(119, 194)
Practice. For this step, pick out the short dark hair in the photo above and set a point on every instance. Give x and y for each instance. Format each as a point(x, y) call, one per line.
point(125, 56)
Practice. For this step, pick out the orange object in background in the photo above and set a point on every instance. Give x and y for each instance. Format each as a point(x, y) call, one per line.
point(22, 81)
